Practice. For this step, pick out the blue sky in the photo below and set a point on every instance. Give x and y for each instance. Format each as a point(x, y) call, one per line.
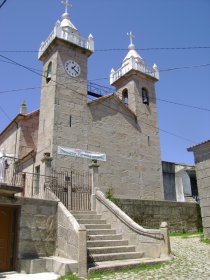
point(155, 23)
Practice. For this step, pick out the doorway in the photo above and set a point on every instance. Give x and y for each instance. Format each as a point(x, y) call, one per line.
point(8, 225)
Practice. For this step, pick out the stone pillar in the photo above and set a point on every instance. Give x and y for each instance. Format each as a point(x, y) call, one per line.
point(82, 254)
point(166, 247)
point(95, 183)
point(45, 171)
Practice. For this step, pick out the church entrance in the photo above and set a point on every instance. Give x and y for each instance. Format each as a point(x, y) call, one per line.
point(8, 220)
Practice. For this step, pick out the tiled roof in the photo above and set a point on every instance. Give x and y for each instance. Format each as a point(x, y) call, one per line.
point(16, 120)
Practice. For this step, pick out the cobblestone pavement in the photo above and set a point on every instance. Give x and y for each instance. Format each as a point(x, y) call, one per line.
point(191, 262)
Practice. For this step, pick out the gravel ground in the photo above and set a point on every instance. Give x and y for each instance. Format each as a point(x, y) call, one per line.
point(191, 262)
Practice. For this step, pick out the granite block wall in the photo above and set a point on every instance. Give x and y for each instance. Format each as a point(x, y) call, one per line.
point(203, 179)
point(36, 227)
point(149, 214)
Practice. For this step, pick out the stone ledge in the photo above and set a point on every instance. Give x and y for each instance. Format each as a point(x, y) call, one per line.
point(9, 190)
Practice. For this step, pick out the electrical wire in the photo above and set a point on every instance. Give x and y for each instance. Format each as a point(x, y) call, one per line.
point(159, 99)
point(105, 78)
point(4, 112)
point(1, 5)
point(25, 67)
point(109, 89)
point(121, 49)
point(184, 67)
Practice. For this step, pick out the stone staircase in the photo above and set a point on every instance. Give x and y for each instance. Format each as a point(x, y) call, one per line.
point(106, 249)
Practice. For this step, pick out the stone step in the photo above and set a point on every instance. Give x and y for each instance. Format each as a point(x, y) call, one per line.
point(91, 221)
point(115, 256)
point(75, 212)
point(62, 266)
point(112, 249)
point(87, 217)
point(106, 243)
point(100, 231)
point(56, 264)
point(121, 264)
point(98, 226)
point(106, 237)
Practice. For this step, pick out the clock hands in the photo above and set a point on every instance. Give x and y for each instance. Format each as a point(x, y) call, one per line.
point(73, 68)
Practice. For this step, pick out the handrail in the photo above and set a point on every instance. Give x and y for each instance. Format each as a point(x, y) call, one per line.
point(153, 233)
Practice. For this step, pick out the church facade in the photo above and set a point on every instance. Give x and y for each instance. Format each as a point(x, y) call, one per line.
point(121, 126)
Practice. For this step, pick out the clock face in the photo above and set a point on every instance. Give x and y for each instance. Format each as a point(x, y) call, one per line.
point(72, 68)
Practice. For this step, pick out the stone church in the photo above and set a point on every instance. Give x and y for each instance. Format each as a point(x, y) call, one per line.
point(75, 125)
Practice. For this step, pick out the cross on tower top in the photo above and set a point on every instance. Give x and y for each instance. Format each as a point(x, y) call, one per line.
point(131, 36)
point(66, 4)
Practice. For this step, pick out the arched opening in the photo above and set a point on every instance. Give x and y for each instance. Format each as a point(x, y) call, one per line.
point(145, 96)
point(49, 72)
point(125, 96)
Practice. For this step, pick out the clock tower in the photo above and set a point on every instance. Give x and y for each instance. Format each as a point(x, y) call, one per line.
point(63, 106)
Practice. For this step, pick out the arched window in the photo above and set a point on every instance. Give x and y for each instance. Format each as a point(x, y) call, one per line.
point(125, 96)
point(145, 96)
point(49, 72)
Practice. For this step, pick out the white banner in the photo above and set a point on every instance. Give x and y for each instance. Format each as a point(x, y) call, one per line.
point(81, 153)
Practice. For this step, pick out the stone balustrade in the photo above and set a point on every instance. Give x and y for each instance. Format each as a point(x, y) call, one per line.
point(132, 64)
point(86, 43)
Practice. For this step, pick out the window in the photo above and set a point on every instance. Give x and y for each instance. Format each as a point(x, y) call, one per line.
point(125, 96)
point(145, 96)
point(37, 180)
point(49, 72)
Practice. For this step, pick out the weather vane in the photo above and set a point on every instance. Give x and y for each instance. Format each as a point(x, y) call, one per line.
point(66, 3)
point(131, 36)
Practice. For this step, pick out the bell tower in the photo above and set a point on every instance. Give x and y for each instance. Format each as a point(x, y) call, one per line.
point(64, 90)
point(136, 79)
point(135, 86)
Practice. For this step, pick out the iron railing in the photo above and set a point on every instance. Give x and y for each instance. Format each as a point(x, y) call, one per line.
point(72, 188)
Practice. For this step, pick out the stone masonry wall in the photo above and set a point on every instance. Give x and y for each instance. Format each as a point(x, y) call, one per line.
point(203, 180)
point(132, 164)
point(36, 226)
point(67, 234)
point(149, 214)
point(202, 167)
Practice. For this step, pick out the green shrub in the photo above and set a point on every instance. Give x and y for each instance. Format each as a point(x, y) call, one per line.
point(110, 195)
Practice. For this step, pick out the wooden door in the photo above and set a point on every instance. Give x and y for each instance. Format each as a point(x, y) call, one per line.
point(7, 236)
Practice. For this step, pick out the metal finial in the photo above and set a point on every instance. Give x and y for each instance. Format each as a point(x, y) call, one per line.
point(131, 36)
point(66, 3)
